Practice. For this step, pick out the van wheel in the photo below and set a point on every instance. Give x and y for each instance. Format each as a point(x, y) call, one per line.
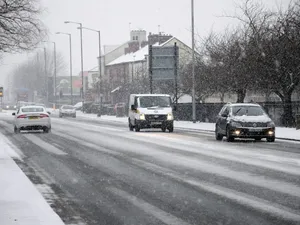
point(171, 129)
point(137, 128)
point(129, 125)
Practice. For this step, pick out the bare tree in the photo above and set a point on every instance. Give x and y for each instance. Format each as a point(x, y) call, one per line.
point(20, 28)
point(32, 74)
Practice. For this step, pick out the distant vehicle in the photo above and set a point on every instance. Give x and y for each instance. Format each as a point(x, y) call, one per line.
point(119, 109)
point(67, 110)
point(78, 106)
point(243, 120)
point(22, 94)
point(9, 106)
point(150, 111)
point(32, 118)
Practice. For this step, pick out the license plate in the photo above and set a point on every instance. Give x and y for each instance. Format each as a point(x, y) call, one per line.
point(156, 123)
point(33, 117)
point(255, 130)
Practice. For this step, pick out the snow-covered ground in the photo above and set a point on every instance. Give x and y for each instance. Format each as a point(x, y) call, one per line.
point(20, 202)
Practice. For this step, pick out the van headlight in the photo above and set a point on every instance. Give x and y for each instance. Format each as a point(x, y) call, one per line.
point(236, 124)
point(170, 116)
point(142, 116)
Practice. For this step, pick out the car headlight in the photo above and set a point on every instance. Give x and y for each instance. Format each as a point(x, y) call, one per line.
point(236, 124)
point(142, 117)
point(271, 124)
point(7, 106)
point(15, 106)
point(170, 116)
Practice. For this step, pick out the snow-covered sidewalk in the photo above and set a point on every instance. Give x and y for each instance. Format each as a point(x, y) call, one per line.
point(281, 132)
point(20, 202)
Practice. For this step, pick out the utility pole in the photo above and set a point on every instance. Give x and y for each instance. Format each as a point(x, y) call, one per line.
point(81, 47)
point(99, 64)
point(193, 63)
point(46, 77)
point(71, 69)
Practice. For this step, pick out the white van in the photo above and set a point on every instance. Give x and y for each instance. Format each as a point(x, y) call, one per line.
point(150, 111)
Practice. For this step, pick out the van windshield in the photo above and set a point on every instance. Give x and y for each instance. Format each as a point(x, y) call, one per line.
point(155, 101)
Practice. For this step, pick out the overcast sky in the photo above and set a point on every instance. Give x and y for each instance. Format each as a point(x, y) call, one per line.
point(112, 17)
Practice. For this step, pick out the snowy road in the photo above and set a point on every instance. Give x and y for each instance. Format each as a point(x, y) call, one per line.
point(104, 174)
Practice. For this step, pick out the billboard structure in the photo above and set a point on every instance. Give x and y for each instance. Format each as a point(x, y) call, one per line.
point(163, 64)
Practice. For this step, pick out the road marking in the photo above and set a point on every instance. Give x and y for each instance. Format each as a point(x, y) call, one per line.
point(44, 145)
point(163, 216)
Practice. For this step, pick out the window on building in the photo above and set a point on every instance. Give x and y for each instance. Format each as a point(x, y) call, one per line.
point(137, 38)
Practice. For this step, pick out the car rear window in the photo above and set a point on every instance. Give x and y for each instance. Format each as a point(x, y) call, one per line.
point(68, 107)
point(33, 109)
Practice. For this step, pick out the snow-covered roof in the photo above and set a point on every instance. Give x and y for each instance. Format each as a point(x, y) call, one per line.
point(133, 56)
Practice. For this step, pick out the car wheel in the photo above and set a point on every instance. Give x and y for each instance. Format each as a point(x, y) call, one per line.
point(171, 129)
point(219, 137)
point(16, 130)
point(228, 136)
point(163, 129)
point(271, 139)
point(47, 130)
point(60, 116)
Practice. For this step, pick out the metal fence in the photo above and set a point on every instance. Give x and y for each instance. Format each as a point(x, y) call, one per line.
point(207, 112)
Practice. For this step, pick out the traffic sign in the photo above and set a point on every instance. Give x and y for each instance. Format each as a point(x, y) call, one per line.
point(1, 91)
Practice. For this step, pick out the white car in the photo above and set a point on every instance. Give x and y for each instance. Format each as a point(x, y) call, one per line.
point(32, 118)
point(67, 110)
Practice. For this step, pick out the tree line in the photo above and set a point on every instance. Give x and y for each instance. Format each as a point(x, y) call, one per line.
point(262, 54)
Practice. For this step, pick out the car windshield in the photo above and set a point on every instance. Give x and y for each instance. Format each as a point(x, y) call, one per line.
point(154, 101)
point(247, 111)
point(68, 107)
point(32, 109)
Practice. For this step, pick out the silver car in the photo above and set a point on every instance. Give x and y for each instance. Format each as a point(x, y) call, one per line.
point(67, 110)
point(32, 118)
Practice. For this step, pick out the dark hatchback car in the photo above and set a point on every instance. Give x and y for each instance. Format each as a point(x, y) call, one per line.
point(243, 120)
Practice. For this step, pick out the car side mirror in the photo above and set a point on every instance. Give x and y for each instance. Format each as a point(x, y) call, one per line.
point(224, 115)
point(133, 107)
point(49, 113)
point(13, 114)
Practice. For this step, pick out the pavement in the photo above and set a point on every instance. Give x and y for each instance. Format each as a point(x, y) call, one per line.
point(95, 171)
point(20, 201)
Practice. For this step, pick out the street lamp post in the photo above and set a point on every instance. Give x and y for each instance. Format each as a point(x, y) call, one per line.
point(55, 69)
point(193, 62)
point(81, 47)
point(71, 70)
point(46, 77)
point(99, 63)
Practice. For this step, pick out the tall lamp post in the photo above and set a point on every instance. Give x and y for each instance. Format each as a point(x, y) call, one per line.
point(99, 62)
point(81, 47)
point(45, 71)
point(55, 69)
point(193, 62)
point(71, 70)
